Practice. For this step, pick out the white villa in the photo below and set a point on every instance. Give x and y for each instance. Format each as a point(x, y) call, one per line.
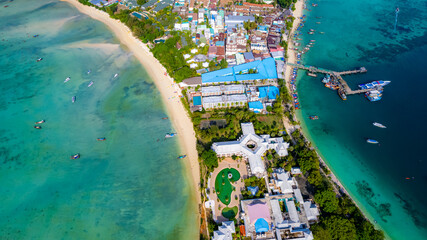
point(225, 231)
point(252, 147)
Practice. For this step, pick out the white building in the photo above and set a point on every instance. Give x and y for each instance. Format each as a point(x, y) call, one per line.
point(182, 26)
point(282, 182)
point(225, 232)
point(223, 89)
point(252, 147)
point(237, 100)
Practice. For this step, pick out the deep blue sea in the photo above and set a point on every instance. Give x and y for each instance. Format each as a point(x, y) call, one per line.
point(362, 33)
point(130, 186)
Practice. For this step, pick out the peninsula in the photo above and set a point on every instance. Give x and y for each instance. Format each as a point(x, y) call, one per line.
point(221, 67)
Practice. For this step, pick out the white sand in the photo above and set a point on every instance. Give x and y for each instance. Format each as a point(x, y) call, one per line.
point(168, 89)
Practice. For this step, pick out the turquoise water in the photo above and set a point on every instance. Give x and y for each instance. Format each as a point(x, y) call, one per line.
point(361, 33)
point(128, 187)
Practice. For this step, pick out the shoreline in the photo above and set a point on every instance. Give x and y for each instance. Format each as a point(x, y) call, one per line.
point(169, 91)
point(299, 7)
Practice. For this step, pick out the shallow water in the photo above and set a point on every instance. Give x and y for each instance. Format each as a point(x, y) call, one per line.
point(128, 187)
point(361, 33)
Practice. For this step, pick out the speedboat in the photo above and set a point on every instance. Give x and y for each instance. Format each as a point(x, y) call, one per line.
point(378, 125)
point(75, 156)
point(169, 135)
point(73, 99)
point(101, 139)
point(39, 59)
point(116, 75)
point(90, 84)
point(40, 122)
point(38, 127)
point(67, 79)
point(182, 156)
point(372, 141)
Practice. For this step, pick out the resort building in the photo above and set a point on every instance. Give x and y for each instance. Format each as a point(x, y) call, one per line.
point(256, 70)
point(252, 147)
point(223, 89)
point(256, 216)
point(264, 219)
point(237, 21)
point(224, 232)
point(237, 100)
point(282, 182)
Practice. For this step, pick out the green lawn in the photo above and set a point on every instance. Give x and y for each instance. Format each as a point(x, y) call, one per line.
point(223, 186)
point(229, 213)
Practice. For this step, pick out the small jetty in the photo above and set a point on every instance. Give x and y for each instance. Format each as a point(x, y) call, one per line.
point(343, 87)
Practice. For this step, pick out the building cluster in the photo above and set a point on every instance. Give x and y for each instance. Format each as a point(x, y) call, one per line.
point(283, 213)
point(245, 35)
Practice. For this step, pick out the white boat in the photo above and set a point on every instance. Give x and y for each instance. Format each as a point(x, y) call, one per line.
point(89, 71)
point(67, 79)
point(73, 99)
point(169, 135)
point(374, 84)
point(116, 75)
point(378, 125)
point(90, 84)
point(372, 141)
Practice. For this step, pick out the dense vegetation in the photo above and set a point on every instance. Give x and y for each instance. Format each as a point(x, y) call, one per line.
point(285, 3)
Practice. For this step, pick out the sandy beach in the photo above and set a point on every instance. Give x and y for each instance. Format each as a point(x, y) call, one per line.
point(169, 90)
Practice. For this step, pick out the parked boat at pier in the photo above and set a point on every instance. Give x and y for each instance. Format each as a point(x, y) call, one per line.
point(374, 84)
point(374, 95)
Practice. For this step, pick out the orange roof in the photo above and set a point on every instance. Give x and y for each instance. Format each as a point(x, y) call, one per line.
point(242, 230)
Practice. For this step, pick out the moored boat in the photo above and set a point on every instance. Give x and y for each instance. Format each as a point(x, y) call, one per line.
point(116, 75)
point(75, 156)
point(372, 141)
point(101, 139)
point(90, 84)
point(374, 84)
point(169, 135)
point(67, 79)
point(39, 59)
point(40, 122)
point(342, 95)
point(73, 99)
point(378, 125)
point(314, 117)
point(374, 95)
point(165, 118)
point(37, 127)
point(182, 156)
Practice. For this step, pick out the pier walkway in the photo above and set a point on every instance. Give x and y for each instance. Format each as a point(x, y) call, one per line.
point(337, 75)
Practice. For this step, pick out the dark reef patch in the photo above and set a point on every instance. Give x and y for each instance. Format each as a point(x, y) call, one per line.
point(417, 217)
point(382, 209)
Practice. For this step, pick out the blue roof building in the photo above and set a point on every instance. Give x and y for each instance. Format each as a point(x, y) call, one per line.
point(256, 107)
point(270, 92)
point(264, 69)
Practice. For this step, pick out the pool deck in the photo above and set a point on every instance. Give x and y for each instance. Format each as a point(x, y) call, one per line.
point(239, 185)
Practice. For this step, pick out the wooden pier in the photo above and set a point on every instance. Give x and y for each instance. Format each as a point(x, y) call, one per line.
point(337, 75)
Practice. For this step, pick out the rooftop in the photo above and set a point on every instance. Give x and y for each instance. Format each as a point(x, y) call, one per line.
point(265, 69)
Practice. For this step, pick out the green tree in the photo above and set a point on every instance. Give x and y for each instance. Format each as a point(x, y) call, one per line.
point(141, 2)
point(210, 159)
point(340, 228)
point(327, 200)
